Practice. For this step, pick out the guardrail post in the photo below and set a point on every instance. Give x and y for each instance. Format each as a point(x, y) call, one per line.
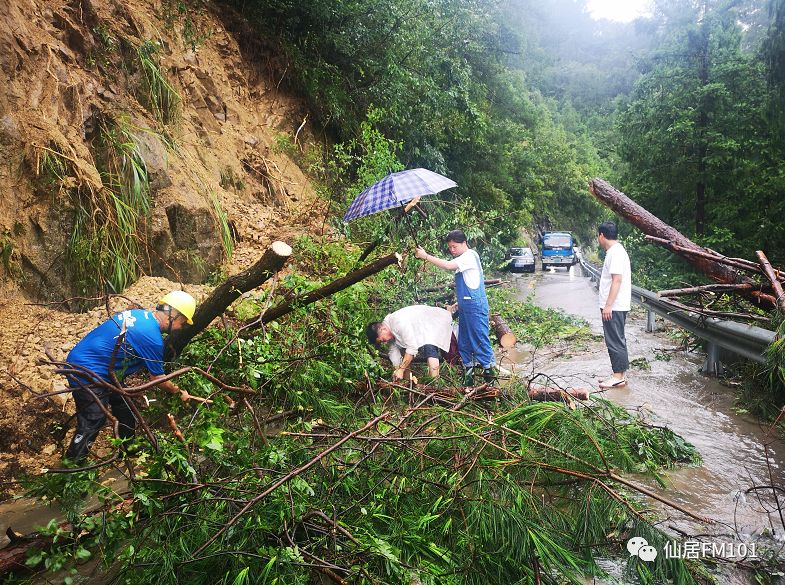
point(712, 366)
point(651, 324)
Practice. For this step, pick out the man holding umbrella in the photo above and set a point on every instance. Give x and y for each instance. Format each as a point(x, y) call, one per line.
point(474, 343)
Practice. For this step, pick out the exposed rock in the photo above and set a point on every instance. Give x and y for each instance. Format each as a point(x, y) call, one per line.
point(185, 236)
point(156, 160)
point(67, 66)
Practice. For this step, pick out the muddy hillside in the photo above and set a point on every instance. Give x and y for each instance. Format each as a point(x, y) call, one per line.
point(107, 106)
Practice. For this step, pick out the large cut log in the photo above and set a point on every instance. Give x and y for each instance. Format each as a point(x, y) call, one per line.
point(322, 293)
point(547, 393)
point(503, 332)
point(451, 285)
point(651, 225)
point(225, 294)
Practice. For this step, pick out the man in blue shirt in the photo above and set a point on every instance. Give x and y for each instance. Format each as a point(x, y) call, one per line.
point(143, 347)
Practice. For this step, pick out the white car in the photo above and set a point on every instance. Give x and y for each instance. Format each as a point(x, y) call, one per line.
point(521, 260)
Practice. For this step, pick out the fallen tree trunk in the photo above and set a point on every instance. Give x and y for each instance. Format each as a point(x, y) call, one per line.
point(213, 306)
point(451, 285)
point(677, 242)
point(547, 393)
point(739, 263)
point(13, 556)
point(503, 332)
point(712, 288)
point(322, 293)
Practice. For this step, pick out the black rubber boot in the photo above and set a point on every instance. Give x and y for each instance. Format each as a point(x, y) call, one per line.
point(468, 377)
point(490, 376)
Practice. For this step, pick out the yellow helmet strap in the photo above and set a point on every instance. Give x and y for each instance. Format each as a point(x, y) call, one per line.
point(167, 309)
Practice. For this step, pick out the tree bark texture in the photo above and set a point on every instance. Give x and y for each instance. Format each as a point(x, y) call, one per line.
point(14, 555)
point(707, 288)
point(322, 293)
point(503, 332)
point(225, 294)
point(451, 285)
point(776, 284)
point(549, 394)
point(651, 225)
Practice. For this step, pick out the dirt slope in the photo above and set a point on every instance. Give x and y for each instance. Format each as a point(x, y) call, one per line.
point(67, 68)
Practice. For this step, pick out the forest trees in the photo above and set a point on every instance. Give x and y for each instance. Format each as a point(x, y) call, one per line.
point(441, 79)
point(694, 136)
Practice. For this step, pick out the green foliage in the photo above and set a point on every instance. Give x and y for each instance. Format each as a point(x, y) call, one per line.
point(105, 47)
point(535, 325)
point(8, 258)
point(431, 80)
point(108, 238)
point(762, 386)
point(156, 92)
point(187, 15)
point(223, 224)
point(51, 169)
point(470, 494)
point(696, 148)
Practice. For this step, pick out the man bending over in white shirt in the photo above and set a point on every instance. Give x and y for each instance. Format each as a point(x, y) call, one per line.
point(417, 330)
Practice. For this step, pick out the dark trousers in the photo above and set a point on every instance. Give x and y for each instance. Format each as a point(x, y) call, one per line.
point(427, 351)
point(90, 419)
point(615, 341)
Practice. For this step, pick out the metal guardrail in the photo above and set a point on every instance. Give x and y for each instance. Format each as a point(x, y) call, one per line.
point(746, 341)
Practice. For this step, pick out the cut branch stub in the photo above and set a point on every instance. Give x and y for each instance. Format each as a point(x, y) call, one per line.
point(503, 332)
point(232, 288)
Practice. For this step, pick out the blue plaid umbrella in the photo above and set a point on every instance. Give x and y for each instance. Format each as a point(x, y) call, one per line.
point(396, 190)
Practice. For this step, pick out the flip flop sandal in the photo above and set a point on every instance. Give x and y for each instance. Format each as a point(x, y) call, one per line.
point(611, 383)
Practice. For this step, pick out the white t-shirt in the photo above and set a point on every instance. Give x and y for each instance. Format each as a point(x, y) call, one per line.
point(418, 325)
point(616, 262)
point(469, 266)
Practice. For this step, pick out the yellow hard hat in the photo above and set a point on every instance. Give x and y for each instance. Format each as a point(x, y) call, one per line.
point(182, 301)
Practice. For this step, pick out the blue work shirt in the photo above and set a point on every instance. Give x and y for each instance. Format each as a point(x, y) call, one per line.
point(143, 346)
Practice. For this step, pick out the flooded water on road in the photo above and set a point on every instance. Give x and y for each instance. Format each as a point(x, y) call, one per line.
point(738, 453)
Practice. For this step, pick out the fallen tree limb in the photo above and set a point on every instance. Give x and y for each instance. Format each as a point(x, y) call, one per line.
point(712, 288)
point(677, 306)
point(294, 473)
point(776, 284)
point(451, 285)
point(651, 225)
point(13, 556)
point(322, 293)
point(225, 294)
point(739, 263)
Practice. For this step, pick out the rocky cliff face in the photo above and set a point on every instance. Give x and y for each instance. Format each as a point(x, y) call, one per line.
point(93, 85)
point(80, 115)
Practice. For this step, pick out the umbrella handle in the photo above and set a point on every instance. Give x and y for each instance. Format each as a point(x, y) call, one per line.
point(411, 204)
point(410, 229)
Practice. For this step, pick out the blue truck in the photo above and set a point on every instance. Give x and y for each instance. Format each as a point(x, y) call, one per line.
point(558, 249)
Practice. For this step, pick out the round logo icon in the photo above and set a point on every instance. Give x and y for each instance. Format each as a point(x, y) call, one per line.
point(638, 546)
